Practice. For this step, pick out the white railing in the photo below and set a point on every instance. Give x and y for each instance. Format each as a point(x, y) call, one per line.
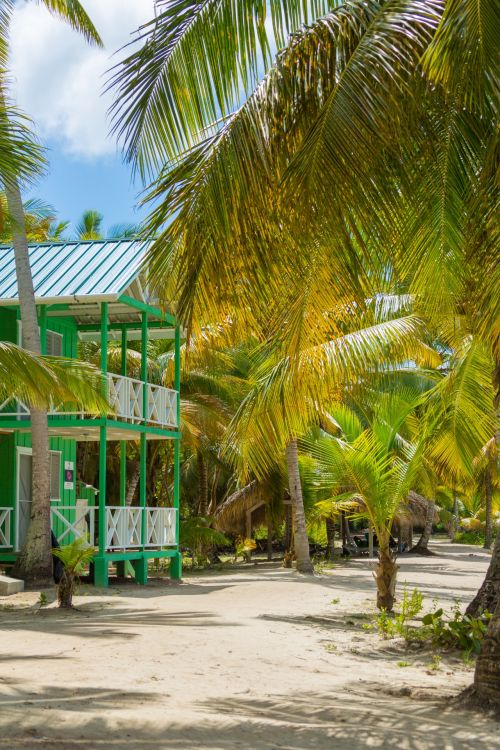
point(69, 521)
point(125, 396)
point(126, 399)
point(5, 528)
point(161, 528)
point(123, 526)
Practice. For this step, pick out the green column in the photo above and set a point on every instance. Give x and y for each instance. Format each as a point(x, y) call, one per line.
point(42, 322)
point(141, 567)
point(101, 563)
point(176, 562)
point(123, 443)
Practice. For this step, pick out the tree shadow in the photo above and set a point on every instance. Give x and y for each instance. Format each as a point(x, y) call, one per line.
point(359, 717)
point(92, 620)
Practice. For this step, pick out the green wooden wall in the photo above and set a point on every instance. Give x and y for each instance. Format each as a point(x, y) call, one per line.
point(9, 442)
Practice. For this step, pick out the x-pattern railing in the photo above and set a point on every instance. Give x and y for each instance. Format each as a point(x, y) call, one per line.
point(71, 520)
point(125, 396)
point(123, 527)
point(161, 527)
point(5, 527)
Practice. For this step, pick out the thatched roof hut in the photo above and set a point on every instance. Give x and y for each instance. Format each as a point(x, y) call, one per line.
point(245, 509)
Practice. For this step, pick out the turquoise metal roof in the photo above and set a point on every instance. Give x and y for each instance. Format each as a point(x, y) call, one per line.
point(102, 268)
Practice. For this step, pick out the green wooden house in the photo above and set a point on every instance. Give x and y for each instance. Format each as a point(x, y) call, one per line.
point(92, 291)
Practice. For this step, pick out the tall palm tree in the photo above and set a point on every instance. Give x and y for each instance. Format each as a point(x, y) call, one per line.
point(34, 561)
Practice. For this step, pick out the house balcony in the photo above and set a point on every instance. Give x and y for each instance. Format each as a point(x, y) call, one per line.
point(126, 528)
point(132, 403)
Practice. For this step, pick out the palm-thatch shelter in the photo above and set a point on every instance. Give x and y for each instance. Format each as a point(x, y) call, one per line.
point(246, 509)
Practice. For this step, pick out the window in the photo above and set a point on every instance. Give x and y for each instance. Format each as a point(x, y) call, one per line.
point(54, 344)
point(55, 475)
point(54, 341)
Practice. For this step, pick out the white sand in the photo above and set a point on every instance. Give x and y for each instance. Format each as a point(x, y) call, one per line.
point(250, 659)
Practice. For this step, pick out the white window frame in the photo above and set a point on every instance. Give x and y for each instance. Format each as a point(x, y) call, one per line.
point(29, 452)
point(49, 332)
point(59, 483)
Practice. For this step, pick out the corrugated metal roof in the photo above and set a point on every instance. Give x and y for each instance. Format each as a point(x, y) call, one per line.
point(98, 268)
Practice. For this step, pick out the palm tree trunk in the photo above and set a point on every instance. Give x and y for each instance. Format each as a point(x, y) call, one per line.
point(269, 536)
point(488, 596)
point(34, 562)
point(301, 541)
point(202, 484)
point(452, 531)
point(330, 538)
point(133, 482)
point(486, 688)
point(346, 531)
point(385, 576)
point(488, 531)
point(65, 590)
point(421, 546)
point(288, 526)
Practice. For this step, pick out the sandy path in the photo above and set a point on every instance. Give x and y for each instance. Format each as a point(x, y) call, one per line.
point(254, 659)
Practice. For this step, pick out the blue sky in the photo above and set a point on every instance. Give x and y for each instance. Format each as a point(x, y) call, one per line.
point(59, 83)
point(74, 184)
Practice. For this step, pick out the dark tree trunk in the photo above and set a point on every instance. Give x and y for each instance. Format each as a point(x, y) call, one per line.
point(202, 484)
point(421, 546)
point(330, 538)
point(488, 531)
point(488, 596)
point(487, 674)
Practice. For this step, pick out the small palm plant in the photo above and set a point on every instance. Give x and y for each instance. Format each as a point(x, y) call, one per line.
point(74, 557)
point(370, 471)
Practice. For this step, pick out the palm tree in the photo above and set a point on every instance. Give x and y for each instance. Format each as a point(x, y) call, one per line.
point(371, 471)
point(34, 561)
point(40, 220)
point(485, 691)
point(38, 380)
point(90, 226)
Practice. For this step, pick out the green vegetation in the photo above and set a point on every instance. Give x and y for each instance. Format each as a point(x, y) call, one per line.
point(322, 185)
point(455, 631)
point(75, 557)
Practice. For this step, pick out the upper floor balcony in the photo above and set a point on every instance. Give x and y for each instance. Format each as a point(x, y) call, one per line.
point(130, 400)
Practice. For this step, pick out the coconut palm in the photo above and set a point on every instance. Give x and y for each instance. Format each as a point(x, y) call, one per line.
point(37, 380)
point(40, 220)
point(90, 226)
point(20, 159)
point(370, 472)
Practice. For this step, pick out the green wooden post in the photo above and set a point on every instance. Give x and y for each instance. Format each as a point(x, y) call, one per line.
point(101, 563)
point(123, 443)
point(176, 562)
point(141, 566)
point(42, 322)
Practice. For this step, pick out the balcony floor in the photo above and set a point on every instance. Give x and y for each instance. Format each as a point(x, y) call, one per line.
point(88, 430)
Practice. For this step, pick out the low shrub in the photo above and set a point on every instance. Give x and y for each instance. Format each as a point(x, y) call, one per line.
point(456, 631)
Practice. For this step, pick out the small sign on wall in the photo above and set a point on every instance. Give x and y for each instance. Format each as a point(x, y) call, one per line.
point(69, 475)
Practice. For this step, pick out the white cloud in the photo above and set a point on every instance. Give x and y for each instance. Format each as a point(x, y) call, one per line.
point(58, 79)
